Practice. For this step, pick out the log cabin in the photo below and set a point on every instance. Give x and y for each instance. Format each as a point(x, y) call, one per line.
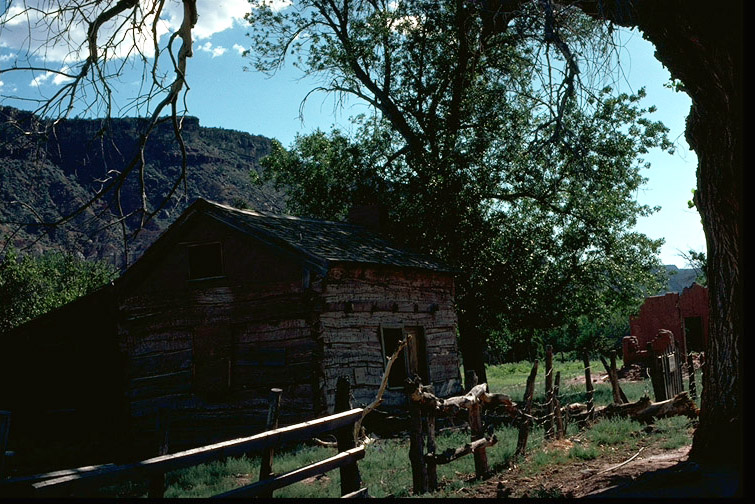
point(224, 306)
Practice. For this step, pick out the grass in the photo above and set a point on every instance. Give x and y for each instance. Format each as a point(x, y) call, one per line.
point(386, 469)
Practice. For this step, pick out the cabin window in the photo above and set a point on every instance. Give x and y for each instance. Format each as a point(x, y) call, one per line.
point(391, 337)
point(413, 360)
point(205, 261)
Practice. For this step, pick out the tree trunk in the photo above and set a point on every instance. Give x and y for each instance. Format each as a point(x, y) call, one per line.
point(472, 350)
point(701, 44)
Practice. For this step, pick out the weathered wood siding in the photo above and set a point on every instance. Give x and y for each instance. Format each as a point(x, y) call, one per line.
point(358, 300)
point(207, 352)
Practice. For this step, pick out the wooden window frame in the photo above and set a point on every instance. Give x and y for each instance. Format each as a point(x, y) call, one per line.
point(191, 246)
point(407, 367)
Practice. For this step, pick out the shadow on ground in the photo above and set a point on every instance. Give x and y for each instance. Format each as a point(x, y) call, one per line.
point(684, 480)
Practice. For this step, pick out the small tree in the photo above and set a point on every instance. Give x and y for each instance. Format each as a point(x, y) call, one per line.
point(31, 286)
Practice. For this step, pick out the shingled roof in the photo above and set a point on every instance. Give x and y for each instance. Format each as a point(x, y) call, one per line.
point(319, 241)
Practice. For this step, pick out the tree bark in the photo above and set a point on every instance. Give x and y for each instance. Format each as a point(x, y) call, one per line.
point(701, 44)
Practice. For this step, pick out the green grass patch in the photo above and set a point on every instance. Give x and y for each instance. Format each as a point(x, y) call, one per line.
point(613, 431)
point(674, 432)
point(584, 452)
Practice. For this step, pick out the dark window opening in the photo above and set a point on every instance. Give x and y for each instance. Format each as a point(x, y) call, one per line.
point(412, 360)
point(205, 261)
point(418, 354)
point(693, 329)
point(391, 339)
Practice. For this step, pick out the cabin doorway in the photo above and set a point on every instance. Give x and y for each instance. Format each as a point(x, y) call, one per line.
point(211, 362)
point(413, 360)
point(693, 333)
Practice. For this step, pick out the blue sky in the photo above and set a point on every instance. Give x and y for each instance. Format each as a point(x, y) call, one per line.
point(223, 95)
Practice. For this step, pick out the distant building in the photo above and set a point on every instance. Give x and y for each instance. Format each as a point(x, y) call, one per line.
point(225, 305)
point(685, 314)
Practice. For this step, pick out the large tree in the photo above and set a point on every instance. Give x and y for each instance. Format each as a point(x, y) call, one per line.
point(497, 156)
point(701, 44)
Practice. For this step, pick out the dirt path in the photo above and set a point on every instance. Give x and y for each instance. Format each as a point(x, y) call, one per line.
point(580, 478)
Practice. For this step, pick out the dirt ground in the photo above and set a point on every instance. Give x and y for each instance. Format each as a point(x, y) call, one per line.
point(579, 478)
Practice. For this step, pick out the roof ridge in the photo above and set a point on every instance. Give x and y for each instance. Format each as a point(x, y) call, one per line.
point(261, 213)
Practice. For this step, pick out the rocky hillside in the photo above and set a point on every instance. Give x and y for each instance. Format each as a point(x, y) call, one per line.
point(45, 177)
point(680, 278)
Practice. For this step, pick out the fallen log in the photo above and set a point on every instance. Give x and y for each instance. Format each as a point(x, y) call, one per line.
point(451, 406)
point(643, 410)
point(450, 455)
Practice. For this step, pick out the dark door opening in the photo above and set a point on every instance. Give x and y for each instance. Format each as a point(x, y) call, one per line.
point(693, 332)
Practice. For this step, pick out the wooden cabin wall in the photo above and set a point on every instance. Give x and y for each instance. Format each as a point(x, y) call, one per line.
point(358, 300)
point(250, 329)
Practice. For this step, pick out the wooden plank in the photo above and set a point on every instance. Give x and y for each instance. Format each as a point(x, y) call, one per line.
point(256, 489)
point(157, 386)
point(235, 447)
point(480, 455)
point(361, 493)
point(25, 481)
point(549, 391)
point(350, 477)
point(266, 464)
point(524, 429)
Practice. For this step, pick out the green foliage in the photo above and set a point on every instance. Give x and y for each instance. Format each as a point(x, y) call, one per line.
point(584, 452)
point(323, 174)
point(33, 285)
point(613, 431)
point(483, 151)
point(699, 262)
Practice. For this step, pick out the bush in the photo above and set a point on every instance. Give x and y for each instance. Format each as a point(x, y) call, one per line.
point(31, 286)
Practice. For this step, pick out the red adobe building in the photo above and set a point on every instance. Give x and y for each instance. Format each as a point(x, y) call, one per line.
point(685, 314)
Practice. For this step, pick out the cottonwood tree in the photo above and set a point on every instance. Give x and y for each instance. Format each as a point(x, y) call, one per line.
point(492, 152)
point(699, 42)
point(701, 45)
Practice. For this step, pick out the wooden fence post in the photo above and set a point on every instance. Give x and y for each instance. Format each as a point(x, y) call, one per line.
point(477, 432)
point(4, 432)
point(351, 481)
point(431, 466)
point(416, 455)
point(560, 427)
point(613, 377)
point(588, 386)
point(157, 481)
point(691, 376)
point(549, 391)
point(273, 413)
point(524, 433)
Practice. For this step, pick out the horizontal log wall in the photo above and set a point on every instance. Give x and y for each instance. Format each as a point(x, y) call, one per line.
point(240, 335)
point(358, 300)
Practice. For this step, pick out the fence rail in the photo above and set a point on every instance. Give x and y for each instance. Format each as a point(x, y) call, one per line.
point(81, 480)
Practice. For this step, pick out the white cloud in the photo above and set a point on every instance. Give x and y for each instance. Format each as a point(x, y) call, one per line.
point(215, 51)
point(41, 79)
point(29, 24)
point(239, 48)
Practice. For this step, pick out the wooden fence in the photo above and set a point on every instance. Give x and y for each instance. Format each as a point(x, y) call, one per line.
point(425, 408)
point(666, 372)
point(83, 480)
